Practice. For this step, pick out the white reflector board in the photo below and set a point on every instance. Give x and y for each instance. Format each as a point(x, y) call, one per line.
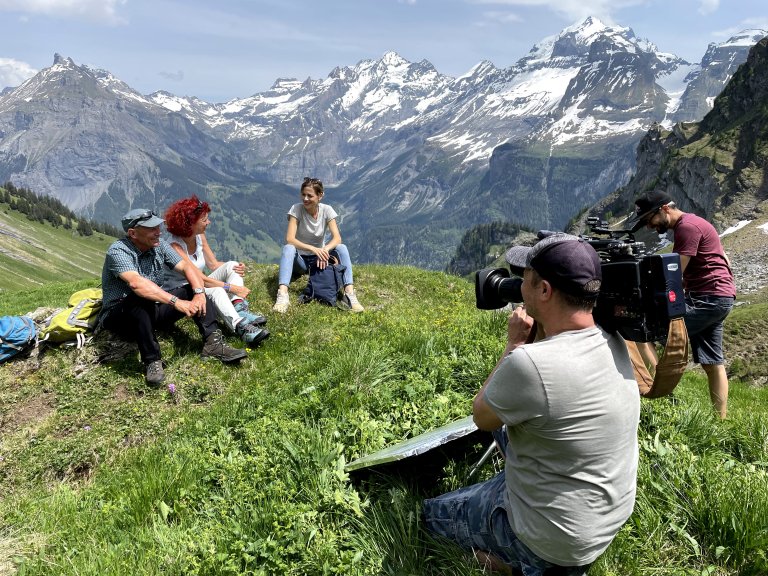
point(417, 445)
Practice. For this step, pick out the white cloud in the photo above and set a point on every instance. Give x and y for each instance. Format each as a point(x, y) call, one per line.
point(173, 76)
point(14, 72)
point(104, 11)
point(746, 24)
point(499, 17)
point(573, 9)
point(708, 6)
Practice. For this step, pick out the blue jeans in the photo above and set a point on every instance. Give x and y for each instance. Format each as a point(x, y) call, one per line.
point(475, 518)
point(292, 264)
point(704, 316)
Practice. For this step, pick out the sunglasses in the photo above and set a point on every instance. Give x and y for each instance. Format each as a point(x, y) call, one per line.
point(144, 216)
point(652, 214)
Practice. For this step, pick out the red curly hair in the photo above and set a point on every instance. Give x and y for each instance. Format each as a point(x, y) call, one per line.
point(183, 214)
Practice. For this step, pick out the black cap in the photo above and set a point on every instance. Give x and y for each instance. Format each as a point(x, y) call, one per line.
point(567, 262)
point(646, 205)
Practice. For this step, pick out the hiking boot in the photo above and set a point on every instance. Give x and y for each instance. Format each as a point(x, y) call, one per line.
point(350, 302)
point(282, 302)
point(155, 374)
point(250, 334)
point(241, 307)
point(216, 347)
point(257, 319)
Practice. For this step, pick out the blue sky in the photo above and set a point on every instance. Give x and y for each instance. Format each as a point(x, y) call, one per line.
point(224, 49)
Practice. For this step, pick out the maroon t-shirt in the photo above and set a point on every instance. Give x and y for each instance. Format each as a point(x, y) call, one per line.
point(707, 272)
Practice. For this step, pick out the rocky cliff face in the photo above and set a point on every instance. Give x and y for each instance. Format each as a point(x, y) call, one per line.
point(717, 168)
point(97, 145)
point(708, 79)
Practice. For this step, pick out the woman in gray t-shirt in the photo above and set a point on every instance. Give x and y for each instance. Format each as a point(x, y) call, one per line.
point(309, 223)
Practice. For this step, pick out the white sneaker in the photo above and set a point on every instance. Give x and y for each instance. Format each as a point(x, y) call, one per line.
point(282, 302)
point(352, 301)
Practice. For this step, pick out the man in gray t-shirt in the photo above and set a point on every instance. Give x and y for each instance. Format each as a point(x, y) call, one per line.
point(571, 407)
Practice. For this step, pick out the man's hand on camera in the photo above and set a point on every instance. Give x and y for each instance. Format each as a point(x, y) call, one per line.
point(519, 327)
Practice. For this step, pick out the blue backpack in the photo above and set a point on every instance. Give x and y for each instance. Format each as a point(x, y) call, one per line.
point(17, 334)
point(324, 284)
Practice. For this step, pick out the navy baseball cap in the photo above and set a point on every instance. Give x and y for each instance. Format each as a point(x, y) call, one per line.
point(567, 262)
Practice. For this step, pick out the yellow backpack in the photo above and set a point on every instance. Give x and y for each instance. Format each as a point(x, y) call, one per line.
point(71, 324)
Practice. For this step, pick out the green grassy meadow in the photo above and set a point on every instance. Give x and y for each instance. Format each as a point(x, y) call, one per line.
point(241, 470)
point(33, 254)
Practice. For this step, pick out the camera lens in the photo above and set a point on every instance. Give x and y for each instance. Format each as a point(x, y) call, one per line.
point(494, 289)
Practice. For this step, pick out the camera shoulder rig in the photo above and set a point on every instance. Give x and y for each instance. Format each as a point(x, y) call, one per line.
point(670, 367)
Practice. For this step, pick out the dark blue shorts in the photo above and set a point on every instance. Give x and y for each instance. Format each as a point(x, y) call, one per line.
point(704, 316)
point(475, 517)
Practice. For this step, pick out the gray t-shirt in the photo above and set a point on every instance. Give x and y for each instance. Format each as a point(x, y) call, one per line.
point(571, 406)
point(310, 230)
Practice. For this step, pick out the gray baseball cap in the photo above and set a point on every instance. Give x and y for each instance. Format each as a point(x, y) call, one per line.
point(140, 217)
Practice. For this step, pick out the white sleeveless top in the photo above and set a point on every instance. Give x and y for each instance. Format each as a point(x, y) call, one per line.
point(174, 279)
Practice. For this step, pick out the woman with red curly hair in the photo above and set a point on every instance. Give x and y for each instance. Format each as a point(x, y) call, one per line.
point(186, 221)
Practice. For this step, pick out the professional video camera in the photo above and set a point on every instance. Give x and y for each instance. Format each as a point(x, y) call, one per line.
point(639, 295)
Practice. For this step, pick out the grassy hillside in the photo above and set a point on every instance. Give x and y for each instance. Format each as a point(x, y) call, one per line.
point(33, 254)
point(241, 470)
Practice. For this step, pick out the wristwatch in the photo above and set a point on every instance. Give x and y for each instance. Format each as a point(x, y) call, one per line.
point(198, 290)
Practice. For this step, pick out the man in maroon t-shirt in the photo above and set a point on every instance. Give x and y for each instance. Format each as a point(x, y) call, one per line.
point(707, 281)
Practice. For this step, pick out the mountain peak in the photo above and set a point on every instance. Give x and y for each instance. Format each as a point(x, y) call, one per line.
point(576, 39)
point(589, 27)
point(59, 60)
point(392, 58)
point(748, 37)
point(592, 27)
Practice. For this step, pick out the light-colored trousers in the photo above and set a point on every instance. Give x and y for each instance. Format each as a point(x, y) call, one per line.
point(222, 299)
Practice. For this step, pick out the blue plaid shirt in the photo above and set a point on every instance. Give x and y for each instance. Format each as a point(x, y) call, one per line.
point(123, 256)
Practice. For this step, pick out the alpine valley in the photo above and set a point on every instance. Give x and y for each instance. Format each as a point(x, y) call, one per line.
point(411, 158)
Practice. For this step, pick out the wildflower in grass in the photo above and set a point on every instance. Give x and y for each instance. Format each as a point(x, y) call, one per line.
point(172, 388)
point(87, 428)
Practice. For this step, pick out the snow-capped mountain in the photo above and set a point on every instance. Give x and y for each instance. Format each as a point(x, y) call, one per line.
point(708, 79)
point(96, 144)
point(412, 157)
point(469, 115)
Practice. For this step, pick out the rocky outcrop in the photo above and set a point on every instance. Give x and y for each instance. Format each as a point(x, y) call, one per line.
point(717, 168)
point(713, 74)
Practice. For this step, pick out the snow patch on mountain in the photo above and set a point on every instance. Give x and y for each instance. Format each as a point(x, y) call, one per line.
point(738, 226)
point(745, 38)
